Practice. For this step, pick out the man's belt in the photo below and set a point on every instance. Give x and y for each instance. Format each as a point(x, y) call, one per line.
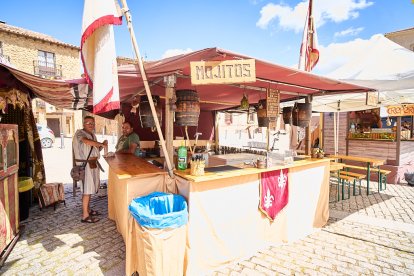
point(93, 162)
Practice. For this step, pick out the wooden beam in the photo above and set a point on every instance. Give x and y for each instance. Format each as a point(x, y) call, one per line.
point(169, 115)
point(347, 133)
point(321, 132)
point(398, 141)
point(308, 134)
point(216, 131)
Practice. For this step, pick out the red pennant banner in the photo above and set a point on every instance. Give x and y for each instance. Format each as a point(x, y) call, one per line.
point(274, 192)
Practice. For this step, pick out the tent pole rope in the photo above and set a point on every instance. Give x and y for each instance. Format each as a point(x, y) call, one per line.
point(127, 13)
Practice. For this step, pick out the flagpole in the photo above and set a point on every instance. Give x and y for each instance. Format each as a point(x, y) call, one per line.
point(127, 13)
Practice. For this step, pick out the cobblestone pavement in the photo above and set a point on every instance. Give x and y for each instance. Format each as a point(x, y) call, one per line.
point(366, 235)
point(57, 243)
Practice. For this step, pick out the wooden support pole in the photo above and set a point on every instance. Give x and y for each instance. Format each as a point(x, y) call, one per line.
point(398, 141)
point(128, 18)
point(308, 132)
point(169, 114)
point(321, 130)
point(216, 131)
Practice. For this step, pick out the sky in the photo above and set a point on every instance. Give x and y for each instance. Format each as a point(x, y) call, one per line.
point(266, 30)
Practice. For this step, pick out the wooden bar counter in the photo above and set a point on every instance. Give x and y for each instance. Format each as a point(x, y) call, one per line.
point(225, 223)
point(246, 170)
point(130, 177)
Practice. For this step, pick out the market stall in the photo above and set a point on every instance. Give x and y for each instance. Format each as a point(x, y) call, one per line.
point(192, 87)
point(226, 224)
point(365, 134)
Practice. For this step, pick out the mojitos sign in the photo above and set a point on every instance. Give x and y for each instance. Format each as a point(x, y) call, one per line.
point(218, 72)
point(401, 110)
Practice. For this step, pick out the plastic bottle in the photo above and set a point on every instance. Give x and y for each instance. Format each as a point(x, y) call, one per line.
point(182, 157)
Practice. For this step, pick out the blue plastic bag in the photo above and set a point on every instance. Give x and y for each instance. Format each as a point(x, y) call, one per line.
point(160, 210)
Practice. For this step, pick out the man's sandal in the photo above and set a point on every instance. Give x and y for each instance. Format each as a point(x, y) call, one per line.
point(90, 219)
point(94, 213)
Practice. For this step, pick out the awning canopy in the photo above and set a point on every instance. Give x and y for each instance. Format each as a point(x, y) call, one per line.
point(292, 83)
point(381, 64)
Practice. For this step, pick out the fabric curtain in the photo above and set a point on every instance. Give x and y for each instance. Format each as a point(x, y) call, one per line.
point(19, 111)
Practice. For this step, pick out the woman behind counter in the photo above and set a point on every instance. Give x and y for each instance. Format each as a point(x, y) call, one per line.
point(129, 141)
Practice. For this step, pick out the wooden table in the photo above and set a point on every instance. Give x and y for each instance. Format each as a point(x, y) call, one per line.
point(335, 166)
point(367, 160)
point(372, 161)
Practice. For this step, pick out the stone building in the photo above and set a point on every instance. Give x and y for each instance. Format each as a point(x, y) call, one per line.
point(404, 38)
point(46, 57)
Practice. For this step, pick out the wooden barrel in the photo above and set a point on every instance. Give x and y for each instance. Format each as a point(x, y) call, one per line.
point(188, 108)
point(262, 119)
point(145, 113)
point(302, 114)
point(287, 115)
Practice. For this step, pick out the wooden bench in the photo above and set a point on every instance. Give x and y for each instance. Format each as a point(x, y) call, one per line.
point(382, 175)
point(386, 172)
point(358, 177)
point(342, 180)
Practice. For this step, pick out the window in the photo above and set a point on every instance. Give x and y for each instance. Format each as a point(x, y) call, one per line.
point(46, 59)
point(3, 59)
point(45, 65)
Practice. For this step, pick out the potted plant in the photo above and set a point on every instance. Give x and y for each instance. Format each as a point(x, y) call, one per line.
point(321, 154)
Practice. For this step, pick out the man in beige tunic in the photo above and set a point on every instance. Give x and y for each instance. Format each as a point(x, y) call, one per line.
point(83, 141)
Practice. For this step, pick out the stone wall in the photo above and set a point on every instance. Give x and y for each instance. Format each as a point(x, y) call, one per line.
point(23, 51)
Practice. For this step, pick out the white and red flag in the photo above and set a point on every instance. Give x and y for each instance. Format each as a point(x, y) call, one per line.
point(309, 53)
point(274, 192)
point(98, 52)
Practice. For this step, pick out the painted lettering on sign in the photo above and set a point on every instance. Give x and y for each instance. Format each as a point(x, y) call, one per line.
point(229, 71)
point(272, 103)
point(401, 110)
point(372, 98)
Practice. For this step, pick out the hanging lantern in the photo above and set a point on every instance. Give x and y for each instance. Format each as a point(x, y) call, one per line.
point(244, 104)
point(388, 122)
point(262, 119)
point(134, 104)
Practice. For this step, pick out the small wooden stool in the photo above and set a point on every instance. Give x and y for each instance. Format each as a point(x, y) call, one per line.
point(51, 193)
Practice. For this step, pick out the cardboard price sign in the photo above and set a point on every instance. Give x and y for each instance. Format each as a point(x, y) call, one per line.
point(272, 103)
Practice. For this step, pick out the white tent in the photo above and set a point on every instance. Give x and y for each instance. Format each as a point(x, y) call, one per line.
point(382, 65)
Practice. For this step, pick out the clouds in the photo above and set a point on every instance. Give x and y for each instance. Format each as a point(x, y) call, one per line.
point(335, 55)
point(293, 18)
point(175, 52)
point(289, 18)
point(349, 32)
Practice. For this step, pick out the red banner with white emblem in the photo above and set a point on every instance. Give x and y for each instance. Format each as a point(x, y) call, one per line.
point(274, 192)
